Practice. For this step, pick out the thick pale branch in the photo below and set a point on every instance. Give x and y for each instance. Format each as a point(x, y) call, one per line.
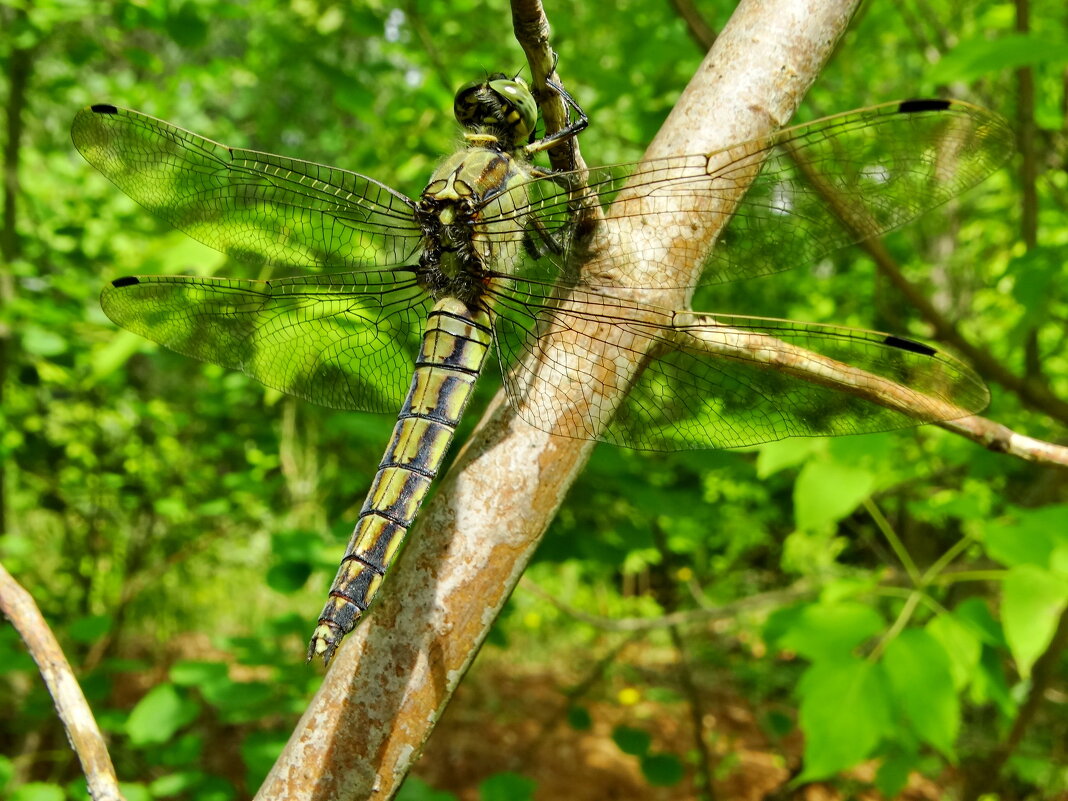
point(82, 732)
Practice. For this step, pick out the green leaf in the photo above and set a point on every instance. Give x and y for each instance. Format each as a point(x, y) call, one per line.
point(825, 631)
point(786, 453)
point(184, 751)
point(578, 718)
point(42, 342)
point(961, 645)
point(90, 628)
point(415, 789)
point(175, 783)
point(1035, 281)
point(1032, 600)
point(990, 685)
point(194, 673)
point(135, 791)
point(631, 741)
point(893, 773)
point(1029, 537)
point(975, 614)
point(287, 577)
point(187, 28)
point(977, 57)
point(845, 712)
point(37, 791)
point(826, 491)
point(7, 771)
point(661, 770)
point(507, 787)
point(215, 788)
point(157, 716)
point(241, 701)
point(259, 751)
point(922, 682)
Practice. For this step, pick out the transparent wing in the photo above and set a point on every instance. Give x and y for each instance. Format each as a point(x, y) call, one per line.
point(877, 167)
point(347, 341)
point(257, 207)
point(703, 381)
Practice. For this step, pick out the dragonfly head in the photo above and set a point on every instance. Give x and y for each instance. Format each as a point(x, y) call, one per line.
point(498, 105)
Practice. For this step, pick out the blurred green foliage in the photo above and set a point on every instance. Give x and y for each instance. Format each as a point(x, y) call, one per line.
point(179, 524)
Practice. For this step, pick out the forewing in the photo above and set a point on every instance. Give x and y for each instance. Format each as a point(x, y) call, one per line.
point(820, 186)
point(651, 379)
point(347, 341)
point(254, 206)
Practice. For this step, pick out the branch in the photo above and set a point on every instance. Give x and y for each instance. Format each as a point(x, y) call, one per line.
point(393, 676)
point(82, 732)
point(532, 32)
point(703, 34)
point(703, 333)
point(689, 617)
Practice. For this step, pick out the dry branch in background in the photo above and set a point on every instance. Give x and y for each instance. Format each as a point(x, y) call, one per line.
point(73, 710)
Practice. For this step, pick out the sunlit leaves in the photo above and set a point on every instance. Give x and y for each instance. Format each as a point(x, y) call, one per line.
point(918, 669)
point(845, 711)
point(158, 716)
point(1032, 602)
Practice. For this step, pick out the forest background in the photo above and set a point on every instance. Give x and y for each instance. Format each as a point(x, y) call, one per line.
point(877, 613)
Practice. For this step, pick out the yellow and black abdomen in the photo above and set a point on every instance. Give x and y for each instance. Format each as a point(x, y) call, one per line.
point(454, 349)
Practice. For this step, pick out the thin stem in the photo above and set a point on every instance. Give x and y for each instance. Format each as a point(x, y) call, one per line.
point(942, 562)
point(896, 544)
point(903, 618)
point(971, 575)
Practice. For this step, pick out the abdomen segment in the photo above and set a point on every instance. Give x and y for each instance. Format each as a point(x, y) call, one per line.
point(454, 349)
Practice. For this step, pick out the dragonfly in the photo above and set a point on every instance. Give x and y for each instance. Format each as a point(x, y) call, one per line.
point(395, 302)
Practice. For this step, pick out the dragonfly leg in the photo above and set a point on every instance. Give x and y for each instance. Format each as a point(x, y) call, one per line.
point(570, 131)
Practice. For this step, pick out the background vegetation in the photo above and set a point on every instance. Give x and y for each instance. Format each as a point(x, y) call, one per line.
point(882, 611)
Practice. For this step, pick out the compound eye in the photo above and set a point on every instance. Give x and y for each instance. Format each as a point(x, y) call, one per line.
point(466, 105)
point(524, 111)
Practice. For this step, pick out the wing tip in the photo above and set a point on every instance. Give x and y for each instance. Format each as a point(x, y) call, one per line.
point(126, 280)
point(103, 108)
point(923, 104)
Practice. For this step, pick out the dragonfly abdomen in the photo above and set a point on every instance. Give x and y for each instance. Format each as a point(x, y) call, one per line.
point(454, 348)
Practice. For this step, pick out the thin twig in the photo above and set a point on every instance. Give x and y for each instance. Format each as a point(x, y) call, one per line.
point(700, 31)
point(760, 601)
point(895, 542)
point(668, 598)
point(82, 732)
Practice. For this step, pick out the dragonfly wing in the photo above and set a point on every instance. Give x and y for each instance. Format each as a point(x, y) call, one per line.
point(652, 379)
point(347, 340)
point(254, 206)
point(818, 187)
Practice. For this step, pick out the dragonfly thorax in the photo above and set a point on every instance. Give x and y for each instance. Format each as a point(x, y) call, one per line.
point(498, 109)
point(471, 220)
